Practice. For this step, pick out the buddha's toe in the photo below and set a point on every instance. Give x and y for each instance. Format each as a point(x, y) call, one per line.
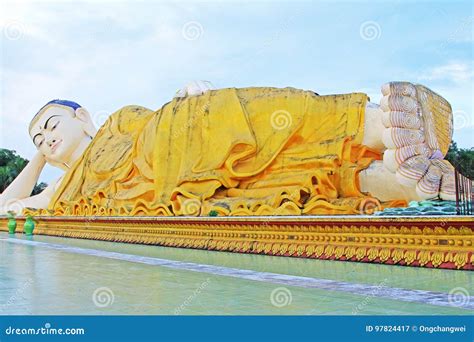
point(395, 137)
point(447, 189)
point(412, 170)
point(429, 184)
point(399, 103)
point(404, 153)
point(401, 120)
point(394, 158)
point(399, 88)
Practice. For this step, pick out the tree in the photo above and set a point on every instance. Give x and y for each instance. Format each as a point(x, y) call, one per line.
point(38, 188)
point(462, 159)
point(11, 165)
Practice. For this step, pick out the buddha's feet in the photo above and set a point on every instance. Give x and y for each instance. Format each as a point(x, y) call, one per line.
point(417, 134)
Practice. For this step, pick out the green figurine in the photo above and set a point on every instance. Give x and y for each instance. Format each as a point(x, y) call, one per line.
point(11, 222)
point(29, 225)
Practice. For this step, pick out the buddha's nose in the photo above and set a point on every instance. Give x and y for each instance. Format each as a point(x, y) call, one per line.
point(51, 142)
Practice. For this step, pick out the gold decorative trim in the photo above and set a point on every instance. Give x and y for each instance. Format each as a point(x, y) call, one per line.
point(439, 242)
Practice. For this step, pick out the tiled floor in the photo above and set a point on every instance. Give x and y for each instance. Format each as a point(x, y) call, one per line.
point(36, 279)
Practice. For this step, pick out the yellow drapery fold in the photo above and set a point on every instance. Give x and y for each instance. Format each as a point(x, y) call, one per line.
point(248, 151)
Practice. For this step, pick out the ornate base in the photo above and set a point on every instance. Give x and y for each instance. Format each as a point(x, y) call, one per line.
point(440, 242)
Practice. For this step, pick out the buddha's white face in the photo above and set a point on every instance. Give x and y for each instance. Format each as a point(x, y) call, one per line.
point(58, 133)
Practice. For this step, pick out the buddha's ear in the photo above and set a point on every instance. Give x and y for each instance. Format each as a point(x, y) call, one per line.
point(87, 124)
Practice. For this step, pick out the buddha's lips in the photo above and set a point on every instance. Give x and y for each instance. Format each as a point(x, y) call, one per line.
point(55, 145)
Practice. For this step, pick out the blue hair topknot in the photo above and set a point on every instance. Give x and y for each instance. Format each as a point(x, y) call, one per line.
point(71, 104)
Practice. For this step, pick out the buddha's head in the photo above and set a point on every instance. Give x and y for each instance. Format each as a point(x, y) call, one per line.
point(61, 130)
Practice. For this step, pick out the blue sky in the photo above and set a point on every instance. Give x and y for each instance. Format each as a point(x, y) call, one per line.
point(107, 54)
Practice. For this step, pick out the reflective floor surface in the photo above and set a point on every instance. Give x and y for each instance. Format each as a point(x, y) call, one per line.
point(49, 275)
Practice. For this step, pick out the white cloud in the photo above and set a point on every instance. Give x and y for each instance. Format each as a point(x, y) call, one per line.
point(26, 18)
point(453, 71)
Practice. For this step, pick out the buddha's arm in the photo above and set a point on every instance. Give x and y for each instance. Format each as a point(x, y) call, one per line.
point(24, 183)
point(39, 201)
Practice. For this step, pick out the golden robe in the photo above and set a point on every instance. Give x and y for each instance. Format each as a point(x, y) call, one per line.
point(249, 151)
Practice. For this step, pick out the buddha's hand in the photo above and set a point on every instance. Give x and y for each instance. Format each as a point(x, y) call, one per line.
point(195, 88)
point(407, 139)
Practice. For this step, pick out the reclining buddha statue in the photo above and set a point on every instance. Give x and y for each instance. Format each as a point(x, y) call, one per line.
point(242, 151)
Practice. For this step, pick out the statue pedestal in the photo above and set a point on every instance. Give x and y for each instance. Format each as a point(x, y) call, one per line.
point(435, 241)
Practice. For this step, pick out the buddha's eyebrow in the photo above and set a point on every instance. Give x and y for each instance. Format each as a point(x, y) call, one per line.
point(46, 123)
